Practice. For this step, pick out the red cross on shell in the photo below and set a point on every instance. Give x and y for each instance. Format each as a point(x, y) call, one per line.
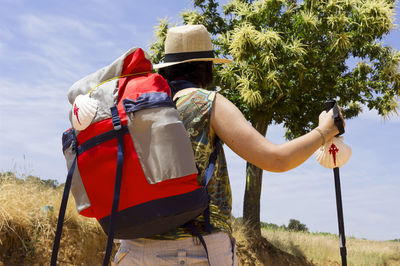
point(76, 109)
point(333, 150)
point(334, 153)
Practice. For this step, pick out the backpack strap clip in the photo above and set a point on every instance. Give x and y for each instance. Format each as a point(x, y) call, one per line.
point(116, 119)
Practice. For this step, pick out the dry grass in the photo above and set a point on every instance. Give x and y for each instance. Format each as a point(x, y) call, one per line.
point(323, 249)
point(260, 251)
point(27, 229)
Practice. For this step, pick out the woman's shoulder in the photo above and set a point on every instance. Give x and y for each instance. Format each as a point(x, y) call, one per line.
point(196, 95)
point(197, 102)
point(209, 94)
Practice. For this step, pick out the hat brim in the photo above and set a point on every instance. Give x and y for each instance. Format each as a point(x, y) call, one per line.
point(214, 60)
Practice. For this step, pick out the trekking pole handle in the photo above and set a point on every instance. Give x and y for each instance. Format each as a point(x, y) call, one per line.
point(336, 115)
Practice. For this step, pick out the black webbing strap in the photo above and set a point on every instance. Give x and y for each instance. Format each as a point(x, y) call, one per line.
point(211, 163)
point(200, 237)
point(178, 85)
point(61, 214)
point(178, 57)
point(206, 179)
point(100, 139)
point(118, 178)
point(206, 214)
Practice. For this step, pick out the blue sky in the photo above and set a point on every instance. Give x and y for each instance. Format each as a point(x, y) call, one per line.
point(45, 46)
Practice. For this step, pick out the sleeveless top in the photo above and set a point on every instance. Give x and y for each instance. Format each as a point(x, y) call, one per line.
point(195, 112)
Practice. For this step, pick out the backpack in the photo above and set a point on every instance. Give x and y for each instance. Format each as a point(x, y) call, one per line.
point(129, 158)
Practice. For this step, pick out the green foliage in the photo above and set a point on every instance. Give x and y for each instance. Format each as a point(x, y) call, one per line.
point(291, 56)
point(296, 226)
point(48, 183)
point(325, 234)
point(10, 176)
point(270, 226)
point(7, 176)
point(157, 47)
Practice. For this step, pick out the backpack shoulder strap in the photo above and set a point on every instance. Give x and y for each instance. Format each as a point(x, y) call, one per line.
point(118, 179)
point(211, 163)
point(61, 214)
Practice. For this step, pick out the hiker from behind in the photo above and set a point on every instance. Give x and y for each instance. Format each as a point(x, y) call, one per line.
point(210, 118)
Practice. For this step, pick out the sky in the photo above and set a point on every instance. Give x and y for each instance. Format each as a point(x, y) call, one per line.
point(45, 46)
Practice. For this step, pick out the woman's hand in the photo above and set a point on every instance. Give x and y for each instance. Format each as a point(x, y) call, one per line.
point(327, 124)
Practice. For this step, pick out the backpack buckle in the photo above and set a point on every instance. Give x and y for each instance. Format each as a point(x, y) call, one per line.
point(117, 125)
point(115, 118)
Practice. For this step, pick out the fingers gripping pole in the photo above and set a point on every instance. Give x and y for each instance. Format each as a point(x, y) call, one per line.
point(336, 115)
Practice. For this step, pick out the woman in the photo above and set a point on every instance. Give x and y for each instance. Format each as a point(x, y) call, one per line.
point(209, 117)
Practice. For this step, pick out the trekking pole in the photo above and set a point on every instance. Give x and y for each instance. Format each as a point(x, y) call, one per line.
point(342, 237)
point(339, 124)
point(333, 155)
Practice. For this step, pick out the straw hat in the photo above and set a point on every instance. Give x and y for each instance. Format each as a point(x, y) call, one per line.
point(186, 44)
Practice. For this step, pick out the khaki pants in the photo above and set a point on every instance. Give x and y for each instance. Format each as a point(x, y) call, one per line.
point(187, 251)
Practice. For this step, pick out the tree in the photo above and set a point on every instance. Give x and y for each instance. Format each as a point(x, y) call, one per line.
point(296, 226)
point(291, 56)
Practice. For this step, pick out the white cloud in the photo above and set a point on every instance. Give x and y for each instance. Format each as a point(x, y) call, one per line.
point(64, 48)
point(47, 26)
point(32, 120)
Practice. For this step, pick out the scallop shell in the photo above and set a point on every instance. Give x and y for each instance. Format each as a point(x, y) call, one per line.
point(84, 109)
point(334, 153)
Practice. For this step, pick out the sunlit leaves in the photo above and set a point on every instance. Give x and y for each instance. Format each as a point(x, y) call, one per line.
point(192, 17)
point(247, 40)
point(392, 64)
point(272, 79)
point(341, 42)
point(340, 5)
point(289, 56)
point(389, 106)
point(239, 8)
point(309, 18)
point(243, 41)
point(247, 88)
point(377, 15)
point(296, 47)
point(267, 38)
point(364, 68)
point(337, 20)
point(157, 47)
point(269, 59)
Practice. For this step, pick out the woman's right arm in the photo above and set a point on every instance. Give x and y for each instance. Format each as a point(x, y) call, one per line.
point(232, 128)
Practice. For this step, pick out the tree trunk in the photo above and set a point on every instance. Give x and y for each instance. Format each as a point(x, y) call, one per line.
point(251, 205)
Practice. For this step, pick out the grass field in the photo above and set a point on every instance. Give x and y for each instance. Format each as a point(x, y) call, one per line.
point(323, 249)
point(28, 216)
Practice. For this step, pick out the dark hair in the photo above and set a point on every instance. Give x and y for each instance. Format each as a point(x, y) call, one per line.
point(197, 72)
